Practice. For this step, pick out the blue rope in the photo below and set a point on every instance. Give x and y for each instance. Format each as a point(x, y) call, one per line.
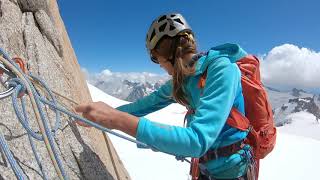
point(44, 176)
point(22, 119)
point(13, 163)
point(60, 108)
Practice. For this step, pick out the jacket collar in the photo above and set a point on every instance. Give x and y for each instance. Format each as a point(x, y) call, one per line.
point(232, 51)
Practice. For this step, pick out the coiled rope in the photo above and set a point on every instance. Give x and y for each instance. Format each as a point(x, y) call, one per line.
point(22, 82)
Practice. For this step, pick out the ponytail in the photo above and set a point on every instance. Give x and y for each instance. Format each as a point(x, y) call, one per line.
point(174, 49)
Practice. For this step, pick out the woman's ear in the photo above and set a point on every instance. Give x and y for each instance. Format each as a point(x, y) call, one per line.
point(152, 52)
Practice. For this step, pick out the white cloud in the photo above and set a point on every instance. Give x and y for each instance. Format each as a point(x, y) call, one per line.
point(106, 72)
point(107, 76)
point(290, 66)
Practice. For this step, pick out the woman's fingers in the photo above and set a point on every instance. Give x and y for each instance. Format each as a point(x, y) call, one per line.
point(82, 123)
point(82, 108)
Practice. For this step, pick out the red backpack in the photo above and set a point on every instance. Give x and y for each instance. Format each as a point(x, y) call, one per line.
point(259, 116)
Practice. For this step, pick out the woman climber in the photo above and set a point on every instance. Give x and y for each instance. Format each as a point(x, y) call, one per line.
point(220, 147)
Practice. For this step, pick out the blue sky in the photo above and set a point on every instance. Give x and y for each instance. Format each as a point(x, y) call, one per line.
point(111, 34)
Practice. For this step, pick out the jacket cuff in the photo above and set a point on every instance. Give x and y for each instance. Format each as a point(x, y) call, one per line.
point(143, 122)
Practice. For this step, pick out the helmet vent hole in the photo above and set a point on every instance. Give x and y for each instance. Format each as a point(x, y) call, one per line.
point(172, 15)
point(172, 28)
point(179, 21)
point(162, 18)
point(152, 35)
point(162, 27)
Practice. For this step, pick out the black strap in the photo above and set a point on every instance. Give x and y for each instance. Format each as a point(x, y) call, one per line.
point(222, 152)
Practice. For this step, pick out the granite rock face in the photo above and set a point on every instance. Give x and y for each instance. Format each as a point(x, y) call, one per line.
point(34, 31)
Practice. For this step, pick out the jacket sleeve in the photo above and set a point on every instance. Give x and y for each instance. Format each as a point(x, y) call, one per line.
point(153, 102)
point(222, 84)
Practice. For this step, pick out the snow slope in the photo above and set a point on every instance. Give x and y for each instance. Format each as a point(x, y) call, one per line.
point(294, 157)
point(302, 124)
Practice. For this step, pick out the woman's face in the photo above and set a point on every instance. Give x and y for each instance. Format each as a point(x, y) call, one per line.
point(165, 64)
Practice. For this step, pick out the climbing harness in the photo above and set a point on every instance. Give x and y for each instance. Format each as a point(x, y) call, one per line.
point(20, 83)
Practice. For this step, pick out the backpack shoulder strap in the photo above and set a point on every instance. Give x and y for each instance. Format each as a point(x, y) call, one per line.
point(236, 119)
point(202, 80)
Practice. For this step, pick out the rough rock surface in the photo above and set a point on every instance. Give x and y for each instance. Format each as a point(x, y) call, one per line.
point(34, 31)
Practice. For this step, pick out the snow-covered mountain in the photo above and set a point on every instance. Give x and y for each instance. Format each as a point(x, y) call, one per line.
point(126, 86)
point(294, 157)
point(138, 89)
point(284, 104)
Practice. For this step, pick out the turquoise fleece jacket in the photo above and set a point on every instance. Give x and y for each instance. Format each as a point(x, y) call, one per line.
point(206, 128)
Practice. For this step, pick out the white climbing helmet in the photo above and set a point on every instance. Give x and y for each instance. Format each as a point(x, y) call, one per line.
point(169, 24)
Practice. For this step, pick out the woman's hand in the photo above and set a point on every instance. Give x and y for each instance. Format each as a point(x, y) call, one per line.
point(98, 112)
point(105, 115)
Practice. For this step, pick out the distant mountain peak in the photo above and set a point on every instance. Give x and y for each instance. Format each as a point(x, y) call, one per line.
point(295, 105)
point(127, 86)
point(139, 90)
point(130, 83)
point(297, 92)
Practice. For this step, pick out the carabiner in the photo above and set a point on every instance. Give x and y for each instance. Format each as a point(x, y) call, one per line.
point(3, 70)
point(8, 92)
